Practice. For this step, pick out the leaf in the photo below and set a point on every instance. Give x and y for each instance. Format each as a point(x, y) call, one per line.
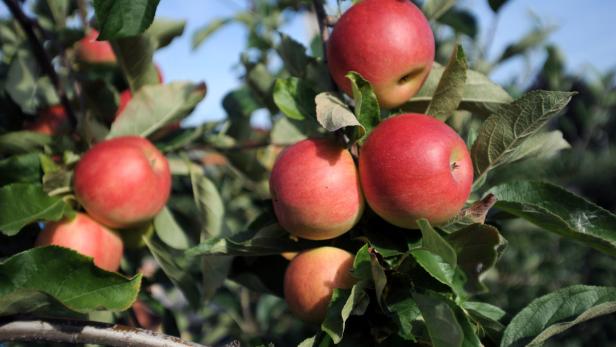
point(155, 106)
point(543, 145)
point(293, 55)
point(450, 89)
point(478, 247)
point(483, 308)
point(461, 21)
point(287, 131)
point(441, 270)
point(177, 268)
point(503, 132)
point(440, 319)
point(295, 98)
point(559, 211)
point(480, 96)
point(207, 30)
point(29, 88)
point(25, 168)
point(343, 304)
point(134, 55)
point(22, 204)
point(119, 19)
point(23, 142)
point(367, 108)
point(333, 115)
point(495, 5)
point(556, 312)
point(433, 242)
point(531, 40)
point(401, 304)
point(209, 203)
point(169, 231)
point(433, 9)
point(163, 31)
point(45, 276)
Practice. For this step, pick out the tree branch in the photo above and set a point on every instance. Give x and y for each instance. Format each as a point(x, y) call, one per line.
point(74, 331)
point(324, 21)
point(41, 55)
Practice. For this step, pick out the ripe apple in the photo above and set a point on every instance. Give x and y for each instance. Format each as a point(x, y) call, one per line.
point(51, 121)
point(414, 166)
point(90, 51)
point(311, 277)
point(87, 237)
point(122, 182)
point(315, 190)
point(389, 42)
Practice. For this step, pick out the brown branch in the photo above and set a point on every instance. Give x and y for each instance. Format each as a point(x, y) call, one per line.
point(324, 21)
point(75, 331)
point(41, 55)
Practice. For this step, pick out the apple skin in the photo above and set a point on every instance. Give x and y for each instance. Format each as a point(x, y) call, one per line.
point(388, 42)
point(310, 280)
point(414, 166)
point(51, 121)
point(122, 182)
point(315, 190)
point(87, 237)
point(90, 51)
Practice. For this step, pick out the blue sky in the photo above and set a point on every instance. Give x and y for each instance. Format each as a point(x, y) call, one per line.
point(584, 34)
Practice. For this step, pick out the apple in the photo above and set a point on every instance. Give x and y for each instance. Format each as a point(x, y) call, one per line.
point(83, 235)
point(311, 277)
point(90, 51)
point(414, 166)
point(122, 182)
point(51, 121)
point(388, 42)
point(315, 190)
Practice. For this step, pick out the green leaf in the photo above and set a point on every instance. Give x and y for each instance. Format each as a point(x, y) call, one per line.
point(169, 231)
point(293, 55)
point(177, 268)
point(483, 308)
point(367, 108)
point(556, 312)
point(287, 131)
point(559, 211)
point(495, 5)
point(118, 19)
point(542, 145)
point(480, 96)
point(400, 303)
point(209, 203)
point(439, 269)
point(295, 98)
point(343, 304)
point(153, 107)
point(46, 276)
point(27, 86)
point(478, 247)
point(22, 204)
point(25, 168)
point(450, 89)
point(531, 40)
point(433, 242)
point(503, 132)
point(23, 142)
point(462, 21)
point(333, 114)
point(134, 55)
point(207, 30)
point(433, 9)
point(163, 31)
point(441, 321)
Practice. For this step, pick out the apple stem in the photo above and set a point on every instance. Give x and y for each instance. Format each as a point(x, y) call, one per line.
point(44, 61)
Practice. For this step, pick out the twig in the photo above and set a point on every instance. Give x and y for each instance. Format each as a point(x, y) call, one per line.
point(324, 22)
point(74, 331)
point(42, 57)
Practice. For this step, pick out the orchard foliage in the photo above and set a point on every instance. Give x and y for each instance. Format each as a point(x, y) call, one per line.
point(208, 268)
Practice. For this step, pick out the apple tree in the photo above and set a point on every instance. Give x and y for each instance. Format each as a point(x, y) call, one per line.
point(373, 211)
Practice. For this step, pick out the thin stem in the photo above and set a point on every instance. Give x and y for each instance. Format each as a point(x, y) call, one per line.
point(74, 331)
point(324, 22)
point(41, 56)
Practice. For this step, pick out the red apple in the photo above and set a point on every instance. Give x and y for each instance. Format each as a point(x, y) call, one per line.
point(51, 121)
point(310, 280)
point(414, 166)
point(87, 237)
point(90, 51)
point(389, 42)
point(315, 190)
point(122, 182)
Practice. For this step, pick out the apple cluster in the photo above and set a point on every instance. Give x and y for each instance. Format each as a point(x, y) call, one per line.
point(411, 166)
point(122, 183)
